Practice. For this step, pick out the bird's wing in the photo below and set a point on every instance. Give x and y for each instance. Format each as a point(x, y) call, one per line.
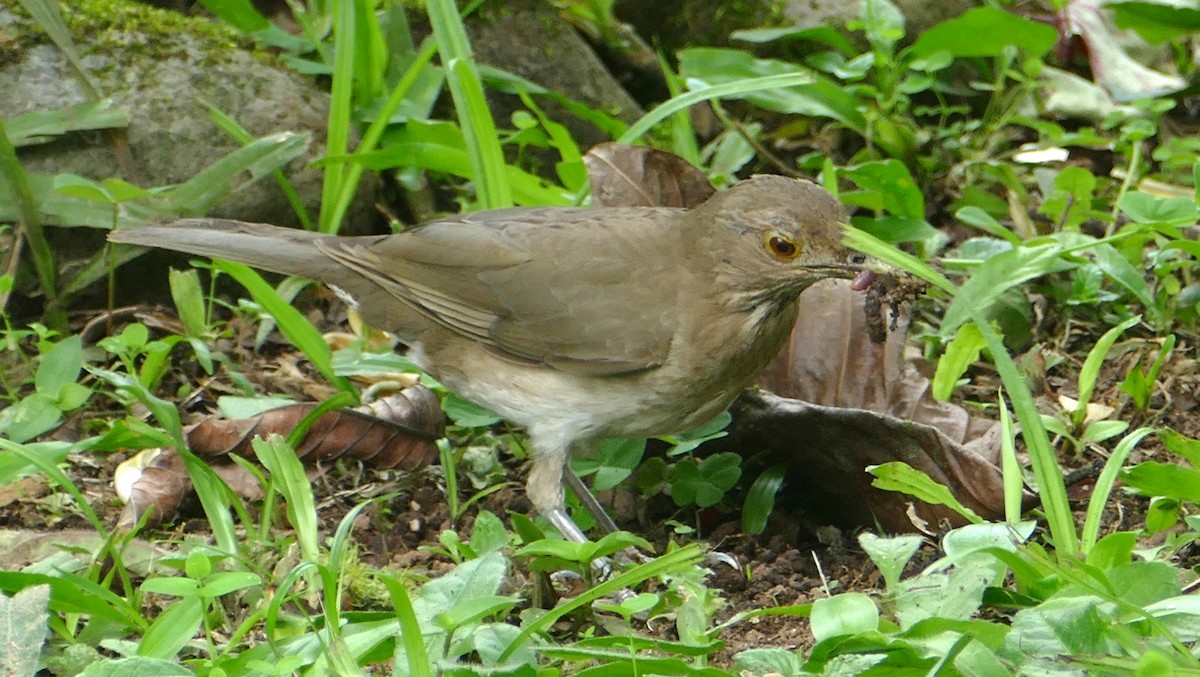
point(540, 285)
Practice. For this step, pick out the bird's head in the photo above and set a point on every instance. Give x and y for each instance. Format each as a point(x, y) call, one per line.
point(775, 236)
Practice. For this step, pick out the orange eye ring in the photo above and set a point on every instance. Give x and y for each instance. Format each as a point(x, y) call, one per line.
point(781, 246)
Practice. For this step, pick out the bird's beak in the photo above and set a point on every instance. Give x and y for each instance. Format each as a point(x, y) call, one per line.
point(862, 275)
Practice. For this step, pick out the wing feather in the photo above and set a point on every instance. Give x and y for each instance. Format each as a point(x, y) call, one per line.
point(537, 285)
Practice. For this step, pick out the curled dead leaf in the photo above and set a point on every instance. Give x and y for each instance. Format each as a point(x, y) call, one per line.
point(637, 176)
point(843, 402)
point(395, 432)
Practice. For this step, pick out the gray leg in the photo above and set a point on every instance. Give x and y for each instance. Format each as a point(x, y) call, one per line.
point(589, 501)
point(565, 525)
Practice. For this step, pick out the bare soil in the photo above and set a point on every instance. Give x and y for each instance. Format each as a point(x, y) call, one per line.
point(795, 562)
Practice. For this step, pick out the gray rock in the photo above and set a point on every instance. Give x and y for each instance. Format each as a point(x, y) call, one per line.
point(530, 39)
point(709, 22)
point(158, 66)
point(919, 15)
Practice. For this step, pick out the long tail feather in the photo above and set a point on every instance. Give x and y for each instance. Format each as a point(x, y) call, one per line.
point(280, 250)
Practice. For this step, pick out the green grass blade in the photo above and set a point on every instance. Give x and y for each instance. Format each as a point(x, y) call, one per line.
point(288, 478)
point(1090, 371)
point(292, 324)
point(337, 140)
point(479, 129)
point(1104, 487)
point(31, 221)
point(672, 106)
point(225, 176)
point(238, 133)
point(410, 629)
point(684, 556)
point(1010, 466)
point(370, 139)
point(1044, 461)
point(49, 17)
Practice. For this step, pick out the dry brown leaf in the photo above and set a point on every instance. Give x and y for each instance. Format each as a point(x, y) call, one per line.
point(846, 402)
point(395, 432)
point(636, 176)
point(828, 448)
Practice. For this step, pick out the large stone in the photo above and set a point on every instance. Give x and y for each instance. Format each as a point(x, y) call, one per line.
point(709, 22)
point(550, 52)
point(159, 66)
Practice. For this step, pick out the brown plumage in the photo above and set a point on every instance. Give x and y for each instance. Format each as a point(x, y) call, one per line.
point(576, 323)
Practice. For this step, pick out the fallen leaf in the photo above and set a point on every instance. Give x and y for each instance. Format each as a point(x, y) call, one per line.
point(637, 176)
point(395, 432)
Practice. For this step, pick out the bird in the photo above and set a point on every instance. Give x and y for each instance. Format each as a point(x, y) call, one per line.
point(575, 323)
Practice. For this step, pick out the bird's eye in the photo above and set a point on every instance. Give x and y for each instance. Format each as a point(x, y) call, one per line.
point(781, 246)
point(857, 259)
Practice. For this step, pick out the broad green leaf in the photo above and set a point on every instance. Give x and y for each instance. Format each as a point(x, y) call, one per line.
point(466, 413)
point(1070, 202)
point(1116, 267)
point(972, 538)
point(704, 484)
point(172, 629)
point(985, 31)
point(613, 461)
point(895, 229)
point(956, 594)
point(29, 417)
point(978, 218)
point(238, 13)
point(767, 662)
point(882, 22)
point(1156, 22)
point(23, 627)
point(488, 535)
point(760, 499)
point(474, 610)
point(1153, 478)
point(1113, 550)
point(225, 582)
point(899, 476)
point(72, 185)
point(59, 366)
point(476, 578)
point(961, 352)
point(1063, 626)
point(1143, 583)
point(490, 641)
point(1154, 209)
point(709, 66)
point(846, 614)
point(994, 277)
point(189, 300)
point(891, 181)
point(1181, 445)
point(891, 555)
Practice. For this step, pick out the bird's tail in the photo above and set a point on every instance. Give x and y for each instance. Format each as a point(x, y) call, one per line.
point(273, 248)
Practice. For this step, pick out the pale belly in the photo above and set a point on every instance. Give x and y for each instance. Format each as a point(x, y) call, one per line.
point(681, 394)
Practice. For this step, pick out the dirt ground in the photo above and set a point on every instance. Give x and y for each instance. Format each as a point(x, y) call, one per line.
point(784, 566)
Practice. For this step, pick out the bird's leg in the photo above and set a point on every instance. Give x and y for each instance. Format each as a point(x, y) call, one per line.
point(588, 499)
point(551, 469)
point(545, 490)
